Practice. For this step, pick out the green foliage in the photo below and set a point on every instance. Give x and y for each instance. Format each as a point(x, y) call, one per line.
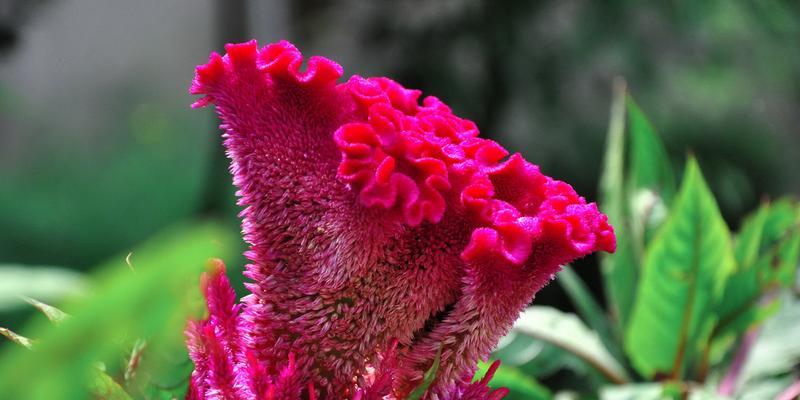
point(568, 332)
point(682, 291)
point(637, 185)
point(777, 350)
point(765, 249)
point(149, 301)
point(682, 280)
point(620, 271)
point(589, 309)
point(650, 168)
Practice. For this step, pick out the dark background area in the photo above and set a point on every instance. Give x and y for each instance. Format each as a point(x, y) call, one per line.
point(99, 150)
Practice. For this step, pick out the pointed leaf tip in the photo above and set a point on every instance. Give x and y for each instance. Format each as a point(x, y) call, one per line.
point(52, 313)
point(16, 338)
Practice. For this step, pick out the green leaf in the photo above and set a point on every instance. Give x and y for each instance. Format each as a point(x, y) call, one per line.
point(780, 244)
point(568, 332)
point(742, 289)
point(650, 184)
point(685, 269)
point(765, 389)
point(589, 309)
point(47, 284)
point(535, 357)
point(747, 245)
point(766, 253)
point(153, 303)
point(427, 379)
point(639, 391)
point(520, 385)
point(650, 167)
point(620, 270)
point(514, 349)
point(657, 391)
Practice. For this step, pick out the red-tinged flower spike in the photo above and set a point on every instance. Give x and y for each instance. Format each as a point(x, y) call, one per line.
point(478, 390)
point(223, 310)
point(224, 370)
point(374, 217)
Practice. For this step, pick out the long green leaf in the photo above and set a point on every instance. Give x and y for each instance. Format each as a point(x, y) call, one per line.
point(641, 391)
point(568, 332)
point(685, 269)
point(620, 270)
point(589, 309)
point(650, 181)
point(152, 303)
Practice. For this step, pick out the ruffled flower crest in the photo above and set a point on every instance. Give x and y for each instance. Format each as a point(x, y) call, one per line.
point(383, 231)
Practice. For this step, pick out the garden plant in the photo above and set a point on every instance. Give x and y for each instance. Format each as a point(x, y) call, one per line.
point(395, 254)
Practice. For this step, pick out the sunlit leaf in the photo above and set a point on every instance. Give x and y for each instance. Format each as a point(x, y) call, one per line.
point(591, 312)
point(765, 389)
point(685, 269)
point(537, 358)
point(47, 284)
point(568, 332)
point(515, 349)
point(152, 303)
point(777, 349)
point(641, 391)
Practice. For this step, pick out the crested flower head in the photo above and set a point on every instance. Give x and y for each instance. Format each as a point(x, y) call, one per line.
point(383, 230)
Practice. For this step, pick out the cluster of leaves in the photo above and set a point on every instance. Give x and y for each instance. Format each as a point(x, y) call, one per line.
point(688, 299)
point(122, 337)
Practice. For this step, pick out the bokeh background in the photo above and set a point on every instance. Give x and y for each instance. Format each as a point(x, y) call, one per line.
point(99, 149)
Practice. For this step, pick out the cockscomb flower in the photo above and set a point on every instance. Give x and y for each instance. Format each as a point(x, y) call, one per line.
point(383, 232)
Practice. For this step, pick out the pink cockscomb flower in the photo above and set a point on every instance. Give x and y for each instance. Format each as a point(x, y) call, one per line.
point(383, 231)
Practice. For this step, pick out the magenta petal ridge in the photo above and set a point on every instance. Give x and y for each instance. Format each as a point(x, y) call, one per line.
point(382, 229)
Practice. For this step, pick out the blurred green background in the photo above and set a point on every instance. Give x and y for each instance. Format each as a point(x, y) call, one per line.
point(99, 150)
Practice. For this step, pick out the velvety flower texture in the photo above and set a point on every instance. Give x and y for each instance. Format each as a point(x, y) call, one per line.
point(382, 231)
